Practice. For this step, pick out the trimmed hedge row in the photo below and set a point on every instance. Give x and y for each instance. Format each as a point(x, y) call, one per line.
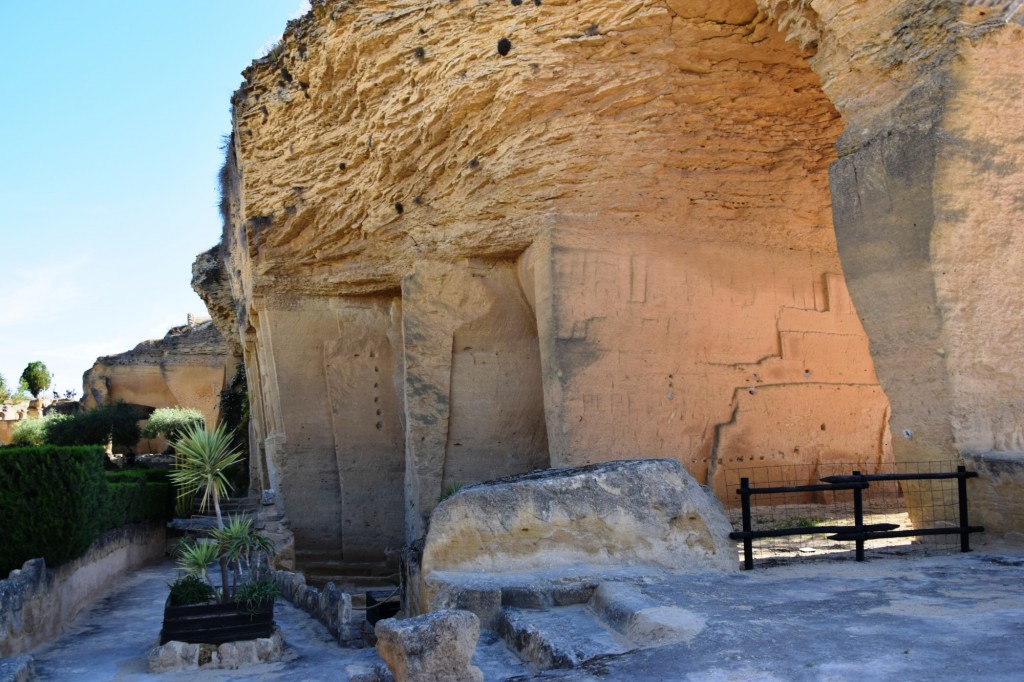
point(134, 501)
point(54, 501)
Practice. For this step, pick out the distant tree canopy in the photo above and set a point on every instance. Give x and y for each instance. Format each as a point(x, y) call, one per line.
point(10, 393)
point(37, 378)
point(5, 393)
point(117, 422)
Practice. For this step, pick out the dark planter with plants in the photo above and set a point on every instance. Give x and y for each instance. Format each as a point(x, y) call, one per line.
point(242, 608)
point(217, 623)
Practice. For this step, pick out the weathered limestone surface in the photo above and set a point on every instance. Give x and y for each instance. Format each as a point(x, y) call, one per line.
point(615, 239)
point(437, 647)
point(994, 499)
point(189, 367)
point(615, 514)
point(623, 235)
point(926, 199)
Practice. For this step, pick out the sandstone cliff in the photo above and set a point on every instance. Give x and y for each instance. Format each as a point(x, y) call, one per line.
point(464, 240)
point(188, 367)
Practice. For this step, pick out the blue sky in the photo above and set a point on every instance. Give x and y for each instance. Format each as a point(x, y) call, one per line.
point(111, 119)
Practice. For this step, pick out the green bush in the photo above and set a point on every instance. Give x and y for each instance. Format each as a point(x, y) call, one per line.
point(52, 501)
point(146, 475)
point(172, 422)
point(29, 433)
point(190, 589)
point(137, 495)
point(118, 422)
point(234, 417)
point(135, 502)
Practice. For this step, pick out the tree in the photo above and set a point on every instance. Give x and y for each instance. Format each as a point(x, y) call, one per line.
point(37, 378)
point(5, 393)
point(9, 394)
point(205, 457)
point(118, 422)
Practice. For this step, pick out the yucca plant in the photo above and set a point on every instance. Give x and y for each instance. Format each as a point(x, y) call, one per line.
point(243, 548)
point(203, 459)
point(195, 558)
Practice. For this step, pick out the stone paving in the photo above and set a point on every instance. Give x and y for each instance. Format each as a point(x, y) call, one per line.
point(110, 640)
point(903, 618)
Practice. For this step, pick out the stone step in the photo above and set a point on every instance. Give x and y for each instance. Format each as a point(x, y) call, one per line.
point(321, 567)
point(563, 637)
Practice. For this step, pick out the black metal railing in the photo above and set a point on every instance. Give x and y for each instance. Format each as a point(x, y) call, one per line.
point(859, 532)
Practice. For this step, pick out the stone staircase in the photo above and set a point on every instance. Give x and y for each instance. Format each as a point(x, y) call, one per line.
point(558, 622)
point(355, 577)
point(562, 637)
point(617, 618)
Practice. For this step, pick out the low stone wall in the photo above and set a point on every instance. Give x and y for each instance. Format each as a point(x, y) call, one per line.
point(36, 603)
point(330, 606)
point(994, 498)
point(178, 656)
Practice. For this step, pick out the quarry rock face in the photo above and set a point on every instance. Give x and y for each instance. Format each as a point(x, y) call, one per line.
point(188, 367)
point(465, 241)
point(615, 514)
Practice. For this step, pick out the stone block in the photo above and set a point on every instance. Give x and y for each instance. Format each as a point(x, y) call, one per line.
point(437, 647)
point(632, 512)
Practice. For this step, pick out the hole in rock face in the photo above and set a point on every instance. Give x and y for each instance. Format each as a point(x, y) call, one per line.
point(399, 208)
point(420, 53)
point(504, 46)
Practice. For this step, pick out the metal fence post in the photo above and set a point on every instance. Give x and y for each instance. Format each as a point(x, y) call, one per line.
point(858, 517)
point(961, 493)
point(748, 542)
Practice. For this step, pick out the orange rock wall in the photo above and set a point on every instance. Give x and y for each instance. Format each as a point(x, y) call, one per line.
point(614, 241)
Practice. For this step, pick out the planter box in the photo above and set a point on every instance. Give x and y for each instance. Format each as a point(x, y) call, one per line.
point(215, 623)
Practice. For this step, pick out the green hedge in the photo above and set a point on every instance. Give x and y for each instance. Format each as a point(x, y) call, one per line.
point(137, 501)
point(52, 501)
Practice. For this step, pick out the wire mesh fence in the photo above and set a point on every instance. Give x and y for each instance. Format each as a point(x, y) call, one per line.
point(905, 504)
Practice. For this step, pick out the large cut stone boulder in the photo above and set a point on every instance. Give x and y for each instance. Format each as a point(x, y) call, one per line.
point(633, 512)
point(437, 647)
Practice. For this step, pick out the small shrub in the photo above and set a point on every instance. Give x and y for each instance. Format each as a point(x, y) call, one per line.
point(190, 589)
point(28, 433)
point(450, 490)
point(172, 422)
point(251, 595)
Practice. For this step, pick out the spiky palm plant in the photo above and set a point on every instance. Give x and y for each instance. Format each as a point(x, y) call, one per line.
point(243, 547)
point(195, 558)
point(203, 459)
